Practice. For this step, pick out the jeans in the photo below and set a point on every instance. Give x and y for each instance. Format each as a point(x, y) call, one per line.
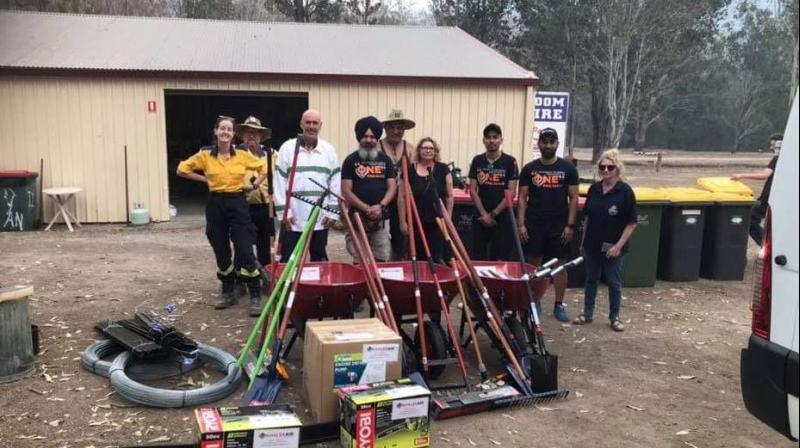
point(595, 264)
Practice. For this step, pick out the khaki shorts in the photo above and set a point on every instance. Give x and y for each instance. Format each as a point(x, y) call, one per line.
point(378, 242)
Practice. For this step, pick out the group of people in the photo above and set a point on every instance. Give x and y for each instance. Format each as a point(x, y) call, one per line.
point(547, 204)
point(243, 194)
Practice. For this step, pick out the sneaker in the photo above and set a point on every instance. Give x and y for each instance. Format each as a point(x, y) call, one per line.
point(561, 312)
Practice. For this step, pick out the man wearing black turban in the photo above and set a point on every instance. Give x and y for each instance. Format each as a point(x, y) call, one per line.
point(369, 185)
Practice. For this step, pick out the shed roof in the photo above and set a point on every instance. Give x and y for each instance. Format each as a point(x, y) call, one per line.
point(71, 42)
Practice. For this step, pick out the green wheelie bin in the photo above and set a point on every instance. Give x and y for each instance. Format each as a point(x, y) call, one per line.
point(680, 247)
point(641, 261)
point(725, 237)
point(18, 205)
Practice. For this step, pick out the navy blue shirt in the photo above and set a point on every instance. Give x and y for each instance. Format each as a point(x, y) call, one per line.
point(608, 215)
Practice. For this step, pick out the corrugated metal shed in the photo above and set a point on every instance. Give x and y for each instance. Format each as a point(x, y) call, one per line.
point(89, 42)
point(80, 88)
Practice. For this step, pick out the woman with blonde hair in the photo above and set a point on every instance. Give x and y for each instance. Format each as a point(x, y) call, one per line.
point(430, 180)
point(610, 218)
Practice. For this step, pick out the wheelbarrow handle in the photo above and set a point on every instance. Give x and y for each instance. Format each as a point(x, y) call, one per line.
point(542, 273)
point(549, 264)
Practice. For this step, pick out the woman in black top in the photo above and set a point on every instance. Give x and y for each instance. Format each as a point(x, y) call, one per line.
point(610, 219)
point(430, 181)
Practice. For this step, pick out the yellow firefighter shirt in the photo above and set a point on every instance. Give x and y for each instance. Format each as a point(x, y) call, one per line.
point(224, 176)
point(261, 195)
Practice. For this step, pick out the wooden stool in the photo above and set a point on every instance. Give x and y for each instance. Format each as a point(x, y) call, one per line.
point(16, 342)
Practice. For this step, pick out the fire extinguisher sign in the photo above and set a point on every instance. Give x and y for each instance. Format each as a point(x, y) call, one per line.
point(151, 107)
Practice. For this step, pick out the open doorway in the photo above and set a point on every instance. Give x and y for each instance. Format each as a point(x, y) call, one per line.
point(190, 116)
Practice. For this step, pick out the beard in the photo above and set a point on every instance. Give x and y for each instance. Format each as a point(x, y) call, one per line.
point(548, 154)
point(368, 153)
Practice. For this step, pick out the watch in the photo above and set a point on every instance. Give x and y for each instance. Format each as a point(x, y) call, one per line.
point(571, 226)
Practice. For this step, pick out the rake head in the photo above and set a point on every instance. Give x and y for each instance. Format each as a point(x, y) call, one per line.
point(531, 400)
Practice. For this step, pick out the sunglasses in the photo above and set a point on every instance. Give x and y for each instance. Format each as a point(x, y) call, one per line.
point(428, 148)
point(606, 167)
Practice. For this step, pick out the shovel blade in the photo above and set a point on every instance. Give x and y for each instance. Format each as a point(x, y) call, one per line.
point(543, 371)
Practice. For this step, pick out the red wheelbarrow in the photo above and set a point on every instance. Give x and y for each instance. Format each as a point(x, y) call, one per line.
point(398, 279)
point(326, 290)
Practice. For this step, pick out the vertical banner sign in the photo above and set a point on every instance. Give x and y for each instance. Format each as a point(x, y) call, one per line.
point(551, 110)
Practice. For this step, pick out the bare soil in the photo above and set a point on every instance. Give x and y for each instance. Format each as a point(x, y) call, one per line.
point(670, 380)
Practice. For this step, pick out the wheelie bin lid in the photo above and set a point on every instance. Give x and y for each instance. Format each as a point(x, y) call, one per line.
point(694, 196)
point(732, 199)
point(17, 174)
point(724, 185)
point(650, 195)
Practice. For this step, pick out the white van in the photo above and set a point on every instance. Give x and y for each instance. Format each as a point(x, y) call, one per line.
point(769, 365)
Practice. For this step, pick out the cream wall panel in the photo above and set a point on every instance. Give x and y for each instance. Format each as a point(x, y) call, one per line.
point(80, 126)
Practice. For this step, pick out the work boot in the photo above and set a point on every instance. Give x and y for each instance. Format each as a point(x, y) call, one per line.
point(226, 297)
point(255, 298)
point(241, 288)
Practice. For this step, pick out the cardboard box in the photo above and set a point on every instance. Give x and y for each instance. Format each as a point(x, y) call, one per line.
point(338, 353)
point(394, 414)
point(274, 426)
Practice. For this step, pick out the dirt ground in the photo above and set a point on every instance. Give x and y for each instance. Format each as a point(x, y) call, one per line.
point(670, 380)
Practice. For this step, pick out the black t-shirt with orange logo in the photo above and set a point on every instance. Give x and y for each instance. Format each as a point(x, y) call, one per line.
point(493, 178)
point(368, 176)
point(548, 189)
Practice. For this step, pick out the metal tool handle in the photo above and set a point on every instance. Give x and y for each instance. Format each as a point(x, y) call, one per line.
point(549, 264)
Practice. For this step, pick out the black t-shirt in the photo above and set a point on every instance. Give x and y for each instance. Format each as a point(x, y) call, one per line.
point(608, 215)
point(548, 189)
point(493, 178)
point(425, 195)
point(764, 198)
point(368, 176)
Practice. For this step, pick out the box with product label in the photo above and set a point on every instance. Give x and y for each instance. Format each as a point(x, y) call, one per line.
point(339, 353)
point(392, 414)
point(273, 426)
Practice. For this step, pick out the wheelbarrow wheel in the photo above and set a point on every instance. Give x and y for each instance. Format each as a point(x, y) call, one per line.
point(436, 347)
point(519, 332)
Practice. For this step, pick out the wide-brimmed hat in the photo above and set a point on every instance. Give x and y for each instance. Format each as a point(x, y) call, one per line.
point(396, 116)
point(253, 123)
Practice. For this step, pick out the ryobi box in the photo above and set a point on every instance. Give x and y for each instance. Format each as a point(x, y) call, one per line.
point(391, 414)
point(274, 426)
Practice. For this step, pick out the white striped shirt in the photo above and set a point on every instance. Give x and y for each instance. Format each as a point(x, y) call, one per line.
point(320, 164)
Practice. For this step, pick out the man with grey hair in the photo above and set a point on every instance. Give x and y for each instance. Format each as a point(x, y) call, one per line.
point(317, 161)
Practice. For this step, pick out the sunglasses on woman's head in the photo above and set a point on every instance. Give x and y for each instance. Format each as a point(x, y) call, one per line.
point(606, 167)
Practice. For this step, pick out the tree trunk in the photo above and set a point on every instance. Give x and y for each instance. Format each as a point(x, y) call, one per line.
point(599, 118)
point(640, 135)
